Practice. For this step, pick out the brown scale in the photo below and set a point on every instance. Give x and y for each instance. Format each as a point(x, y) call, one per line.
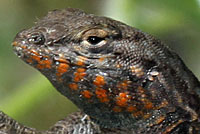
point(122, 100)
point(119, 76)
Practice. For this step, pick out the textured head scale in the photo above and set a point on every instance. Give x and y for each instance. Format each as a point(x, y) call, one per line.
point(109, 70)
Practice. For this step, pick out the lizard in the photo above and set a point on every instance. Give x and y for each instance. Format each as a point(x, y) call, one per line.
point(123, 80)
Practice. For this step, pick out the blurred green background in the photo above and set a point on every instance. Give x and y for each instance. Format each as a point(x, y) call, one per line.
point(29, 98)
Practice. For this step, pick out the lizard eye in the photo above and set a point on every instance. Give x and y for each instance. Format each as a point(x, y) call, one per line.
point(37, 38)
point(94, 40)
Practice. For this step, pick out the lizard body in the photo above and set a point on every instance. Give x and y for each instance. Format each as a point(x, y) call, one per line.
point(122, 79)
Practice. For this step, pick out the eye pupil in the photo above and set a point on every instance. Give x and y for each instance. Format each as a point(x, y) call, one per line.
point(37, 39)
point(94, 40)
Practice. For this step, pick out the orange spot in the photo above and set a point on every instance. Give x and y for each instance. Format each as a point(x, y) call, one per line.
point(117, 109)
point(101, 59)
point(29, 60)
point(73, 86)
point(41, 63)
point(99, 81)
point(101, 94)
point(62, 68)
point(79, 74)
point(122, 99)
point(35, 57)
point(45, 63)
point(80, 70)
point(118, 65)
point(122, 94)
point(123, 85)
point(81, 61)
point(87, 94)
point(138, 113)
point(40, 66)
point(63, 61)
point(148, 105)
point(76, 78)
point(104, 100)
point(131, 109)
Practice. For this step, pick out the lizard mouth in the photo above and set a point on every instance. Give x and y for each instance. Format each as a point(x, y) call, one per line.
point(32, 56)
point(43, 59)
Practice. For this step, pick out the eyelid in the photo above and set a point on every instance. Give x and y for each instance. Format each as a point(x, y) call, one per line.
point(88, 44)
point(94, 32)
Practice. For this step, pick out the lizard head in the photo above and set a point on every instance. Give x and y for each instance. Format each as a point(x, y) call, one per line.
point(104, 66)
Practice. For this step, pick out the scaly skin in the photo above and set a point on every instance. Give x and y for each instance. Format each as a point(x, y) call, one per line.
point(124, 80)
